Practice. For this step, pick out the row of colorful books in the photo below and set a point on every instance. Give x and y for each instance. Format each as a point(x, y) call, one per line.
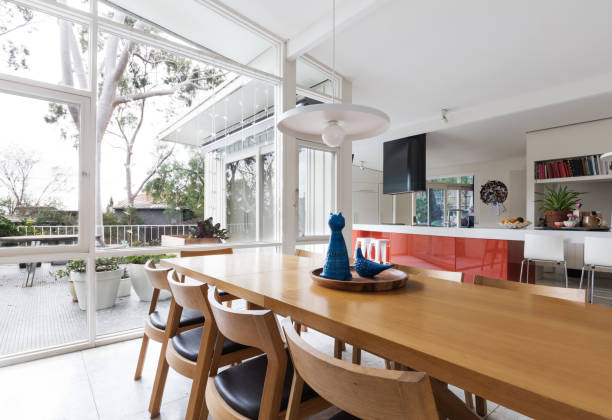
point(567, 168)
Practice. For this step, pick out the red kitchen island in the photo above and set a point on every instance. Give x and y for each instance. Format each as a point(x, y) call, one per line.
point(490, 252)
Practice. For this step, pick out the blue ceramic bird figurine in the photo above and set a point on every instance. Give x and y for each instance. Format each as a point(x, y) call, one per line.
point(337, 263)
point(367, 268)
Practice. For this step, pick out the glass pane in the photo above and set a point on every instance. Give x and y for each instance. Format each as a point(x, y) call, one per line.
point(467, 179)
point(436, 207)
point(312, 77)
point(268, 231)
point(317, 190)
point(241, 200)
point(41, 47)
point(421, 208)
point(39, 172)
point(38, 307)
point(452, 202)
point(124, 293)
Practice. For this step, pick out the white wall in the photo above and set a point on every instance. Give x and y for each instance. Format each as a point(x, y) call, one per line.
point(510, 171)
point(370, 205)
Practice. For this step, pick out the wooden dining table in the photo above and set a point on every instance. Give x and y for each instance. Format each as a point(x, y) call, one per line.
point(543, 357)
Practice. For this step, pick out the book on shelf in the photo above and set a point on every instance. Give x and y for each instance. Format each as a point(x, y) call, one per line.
point(571, 167)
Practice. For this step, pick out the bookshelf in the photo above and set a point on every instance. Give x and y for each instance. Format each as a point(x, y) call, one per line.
point(586, 166)
point(589, 178)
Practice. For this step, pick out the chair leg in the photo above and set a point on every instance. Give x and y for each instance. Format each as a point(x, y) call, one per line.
point(566, 279)
point(481, 406)
point(528, 264)
point(356, 355)
point(469, 401)
point(141, 357)
point(522, 266)
point(582, 277)
point(592, 283)
point(160, 382)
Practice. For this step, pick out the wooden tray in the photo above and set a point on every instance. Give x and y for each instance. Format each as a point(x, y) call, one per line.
point(387, 280)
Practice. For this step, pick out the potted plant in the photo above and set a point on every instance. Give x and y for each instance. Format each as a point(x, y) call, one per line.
point(206, 232)
point(556, 203)
point(108, 276)
point(125, 285)
point(138, 276)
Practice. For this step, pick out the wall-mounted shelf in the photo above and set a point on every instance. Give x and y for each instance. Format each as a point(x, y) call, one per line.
point(591, 178)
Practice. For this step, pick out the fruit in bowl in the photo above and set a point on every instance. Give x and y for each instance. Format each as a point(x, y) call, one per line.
point(515, 223)
point(570, 223)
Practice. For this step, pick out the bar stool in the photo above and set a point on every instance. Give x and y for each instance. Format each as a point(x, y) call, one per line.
point(544, 248)
point(366, 244)
point(380, 250)
point(596, 254)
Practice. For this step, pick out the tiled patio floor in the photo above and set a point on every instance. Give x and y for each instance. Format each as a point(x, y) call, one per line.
point(44, 315)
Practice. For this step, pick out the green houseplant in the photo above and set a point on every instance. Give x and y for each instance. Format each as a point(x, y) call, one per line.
point(206, 232)
point(138, 276)
point(108, 276)
point(556, 203)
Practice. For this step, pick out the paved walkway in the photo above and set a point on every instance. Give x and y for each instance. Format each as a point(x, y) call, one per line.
point(44, 315)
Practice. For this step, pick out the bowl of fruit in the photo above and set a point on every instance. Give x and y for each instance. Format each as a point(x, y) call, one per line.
point(515, 223)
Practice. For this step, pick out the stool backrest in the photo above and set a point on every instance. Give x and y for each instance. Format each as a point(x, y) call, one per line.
point(364, 392)
point(455, 276)
point(598, 251)
point(304, 253)
point(259, 329)
point(544, 247)
point(575, 295)
point(200, 253)
point(157, 275)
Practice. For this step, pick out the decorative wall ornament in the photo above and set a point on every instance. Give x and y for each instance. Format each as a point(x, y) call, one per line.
point(493, 194)
point(337, 262)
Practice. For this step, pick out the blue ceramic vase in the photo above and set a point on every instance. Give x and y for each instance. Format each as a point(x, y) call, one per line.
point(337, 262)
point(367, 268)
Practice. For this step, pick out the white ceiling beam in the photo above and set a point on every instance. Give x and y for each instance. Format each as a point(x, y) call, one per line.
point(321, 30)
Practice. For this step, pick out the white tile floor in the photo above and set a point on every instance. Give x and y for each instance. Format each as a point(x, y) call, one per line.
point(98, 384)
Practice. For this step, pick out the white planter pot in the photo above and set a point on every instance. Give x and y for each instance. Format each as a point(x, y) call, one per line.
point(125, 287)
point(107, 285)
point(141, 283)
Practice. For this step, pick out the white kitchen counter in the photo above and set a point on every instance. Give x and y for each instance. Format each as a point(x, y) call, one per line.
point(571, 236)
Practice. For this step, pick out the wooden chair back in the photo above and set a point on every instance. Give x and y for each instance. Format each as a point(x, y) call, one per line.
point(367, 393)
point(259, 329)
point(454, 276)
point(304, 253)
point(574, 295)
point(200, 253)
point(190, 295)
point(158, 276)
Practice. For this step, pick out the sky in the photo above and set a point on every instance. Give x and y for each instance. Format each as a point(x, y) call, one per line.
point(23, 126)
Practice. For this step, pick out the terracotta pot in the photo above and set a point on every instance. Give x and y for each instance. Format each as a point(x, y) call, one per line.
point(553, 216)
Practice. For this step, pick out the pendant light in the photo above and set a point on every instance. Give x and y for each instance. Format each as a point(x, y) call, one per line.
point(333, 123)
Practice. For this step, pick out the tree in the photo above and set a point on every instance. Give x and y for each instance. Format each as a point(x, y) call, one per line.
point(13, 18)
point(180, 185)
point(17, 168)
point(131, 75)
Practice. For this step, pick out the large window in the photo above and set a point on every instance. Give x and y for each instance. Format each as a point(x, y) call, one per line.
point(317, 190)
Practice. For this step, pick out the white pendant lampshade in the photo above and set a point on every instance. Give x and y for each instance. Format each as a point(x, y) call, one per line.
point(333, 123)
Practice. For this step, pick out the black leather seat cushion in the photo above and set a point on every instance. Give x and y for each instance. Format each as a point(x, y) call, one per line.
point(188, 317)
point(222, 293)
point(241, 386)
point(187, 344)
point(343, 415)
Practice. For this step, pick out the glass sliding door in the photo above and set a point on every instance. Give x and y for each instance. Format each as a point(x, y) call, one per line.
point(241, 198)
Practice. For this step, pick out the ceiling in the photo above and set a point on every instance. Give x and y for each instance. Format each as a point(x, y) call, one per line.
point(495, 138)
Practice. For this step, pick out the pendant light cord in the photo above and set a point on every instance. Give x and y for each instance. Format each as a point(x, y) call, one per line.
point(335, 79)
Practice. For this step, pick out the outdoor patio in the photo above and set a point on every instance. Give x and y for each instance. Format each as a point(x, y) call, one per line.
point(44, 315)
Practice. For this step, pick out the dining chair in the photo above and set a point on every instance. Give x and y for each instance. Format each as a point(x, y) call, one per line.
point(257, 388)
point(596, 255)
point(575, 295)
point(225, 297)
point(362, 392)
point(157, 320)
point(190, 353)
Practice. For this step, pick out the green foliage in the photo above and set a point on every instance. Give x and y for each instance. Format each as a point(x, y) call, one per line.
point(558, 200)
point(80, 266)
point(54, 217)
point(14, 18)
point(130, 216)
point(142, 259)
point(206, 229)
point(180, 185)
point(8, 228)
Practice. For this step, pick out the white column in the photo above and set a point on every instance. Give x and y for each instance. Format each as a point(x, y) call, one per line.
point(288, 171)
point(345, 178)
